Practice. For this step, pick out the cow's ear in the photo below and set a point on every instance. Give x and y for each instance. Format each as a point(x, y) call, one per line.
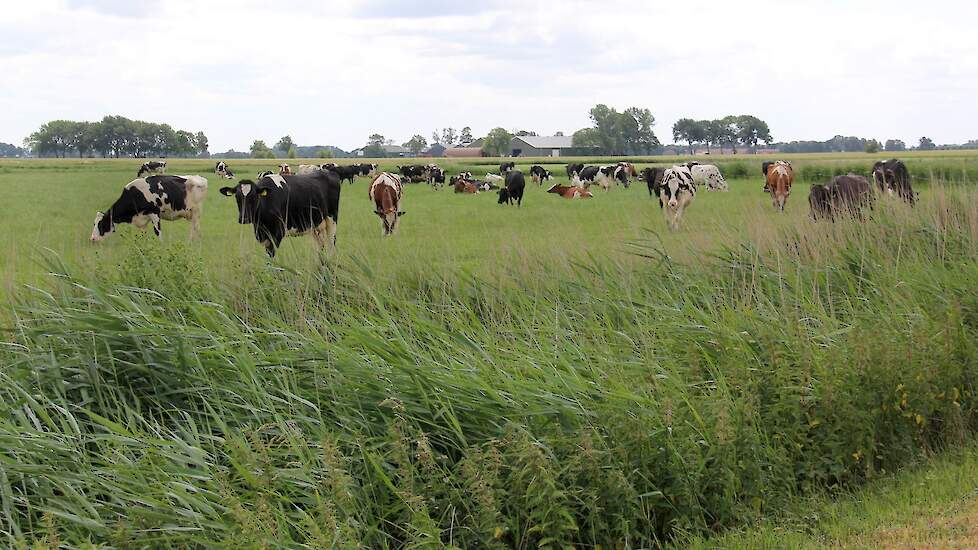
point(227, 191)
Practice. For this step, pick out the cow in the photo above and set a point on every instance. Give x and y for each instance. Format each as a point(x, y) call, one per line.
point(539, 174)
point(367, 169)
point(676, 192)
point(264, 173)
point(148, 200)
point(385, 192)
point(490, 177)
point(515, 184)
point(284, 170)
point(820, 202)
point(465, 175)
point(435, 176)
point(780, 176)
point(506, 167)
point(570, 192)
point(708, 175)
point(152, 167)
point(278, 206)
point(851, 193)
point(345, 172)
point(629, 169)
point(221, 169)
point(602, 175)
point(765, 166)
point(307, 169)
point(574, 169)
point(652, 178)
point(463, 185)
point(892, 177)
point(412, 173)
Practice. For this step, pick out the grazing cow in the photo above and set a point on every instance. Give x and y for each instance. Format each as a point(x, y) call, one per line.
point(570, 192)
point(385, 192)
point(652, 178)
point(345, 172)
point(764, 168)
point(676, 192)
point(602, 175)
point(710, 176)
point(506, 167)
point(892, 177)
point(820, 202)
point(279, 206)
point(574, 169)
point(539, 174)
point(264, 173)
point(221, 169)
point(148, 200)
point(515, 184)
point(463, 185)
point(412, 173)
point(780, 176)
point(284, 170)
point(851, 193)
point(490, 177)
point(151, 167)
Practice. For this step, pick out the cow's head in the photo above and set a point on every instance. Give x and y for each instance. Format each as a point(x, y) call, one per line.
point(621, 174)
point(248, 196)
point(103, 226)
point(503, 195)
point(284, 169)
point(675, 184)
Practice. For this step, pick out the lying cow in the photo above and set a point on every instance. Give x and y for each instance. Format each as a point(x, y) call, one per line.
point(708, 175)
point(278, 206)
point(676, 191)
point(570, 192)
point(850, 194)
point(892, 177)
point(151, 167)
point(780, 176)
point(513, 191)
point(539, 174)
point(221, 169)
point(506, 167)
point(284, 170)
point(148, 200)
point(462, 185)
point(385, 193)
point(495, 178)
point(652, 178)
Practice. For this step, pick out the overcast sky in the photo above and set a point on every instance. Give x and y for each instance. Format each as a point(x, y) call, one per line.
point(335, 72)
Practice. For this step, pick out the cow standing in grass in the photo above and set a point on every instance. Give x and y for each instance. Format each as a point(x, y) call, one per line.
point(892, 177)
point(513, 191)
point(676, 192)
point(146, 201)
point(850, 194)
point(152, 167)
point(279, 206)
point(709, 176)
point(780, 176)
point(539, 174)
point(653, 179)
point(385, 193)
point(506, 167)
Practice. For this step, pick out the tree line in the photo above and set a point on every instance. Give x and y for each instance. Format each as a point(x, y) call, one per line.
point(115, 136)
point(729, 131)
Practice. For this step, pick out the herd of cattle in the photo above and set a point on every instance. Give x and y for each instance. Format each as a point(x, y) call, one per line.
point(307, 201)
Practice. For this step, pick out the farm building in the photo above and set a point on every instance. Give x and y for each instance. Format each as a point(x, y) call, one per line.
point(390, 151)
point(463, 152)
point(436, 150)
point(547, 146)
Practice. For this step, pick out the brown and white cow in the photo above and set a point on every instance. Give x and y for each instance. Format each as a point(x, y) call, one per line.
point(385, 192)
point(780, 176)
point(570, 192)
point(463, 185)
point(284, 170)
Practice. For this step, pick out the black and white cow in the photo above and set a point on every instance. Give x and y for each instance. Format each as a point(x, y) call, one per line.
point(515, 184)
point(892, 177)
point(573, 169)
point(146, 201)
point(151, 167)
point(506, 167)
point(435, 176)
point(539, 174)
point(264, 173)
point(601, 175)
point(676, 192)
point(221, 169)
point(367, 169)
point(413, 173)
point(279, 206)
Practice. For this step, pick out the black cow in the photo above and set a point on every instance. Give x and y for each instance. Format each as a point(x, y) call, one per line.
point(849, 194)
point(345, 172)
point(891, 176)
point(820, 202)
point(506, 167)
point(147, 201)
point(574, 169)
point(539, 174)
point(152, 167)
point(515, 184)
point(652, 178)
point(279, 206)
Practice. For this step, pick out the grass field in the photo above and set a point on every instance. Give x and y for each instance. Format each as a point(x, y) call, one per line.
point(568, 373)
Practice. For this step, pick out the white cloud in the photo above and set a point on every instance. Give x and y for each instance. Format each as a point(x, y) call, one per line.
point(333, 73)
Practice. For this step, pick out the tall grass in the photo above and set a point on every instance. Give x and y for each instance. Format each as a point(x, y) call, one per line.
point(609, 404)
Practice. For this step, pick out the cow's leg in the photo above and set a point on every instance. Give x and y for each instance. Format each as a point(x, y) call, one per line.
point(330, 236)
point(155, 220)
point(195, 224)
